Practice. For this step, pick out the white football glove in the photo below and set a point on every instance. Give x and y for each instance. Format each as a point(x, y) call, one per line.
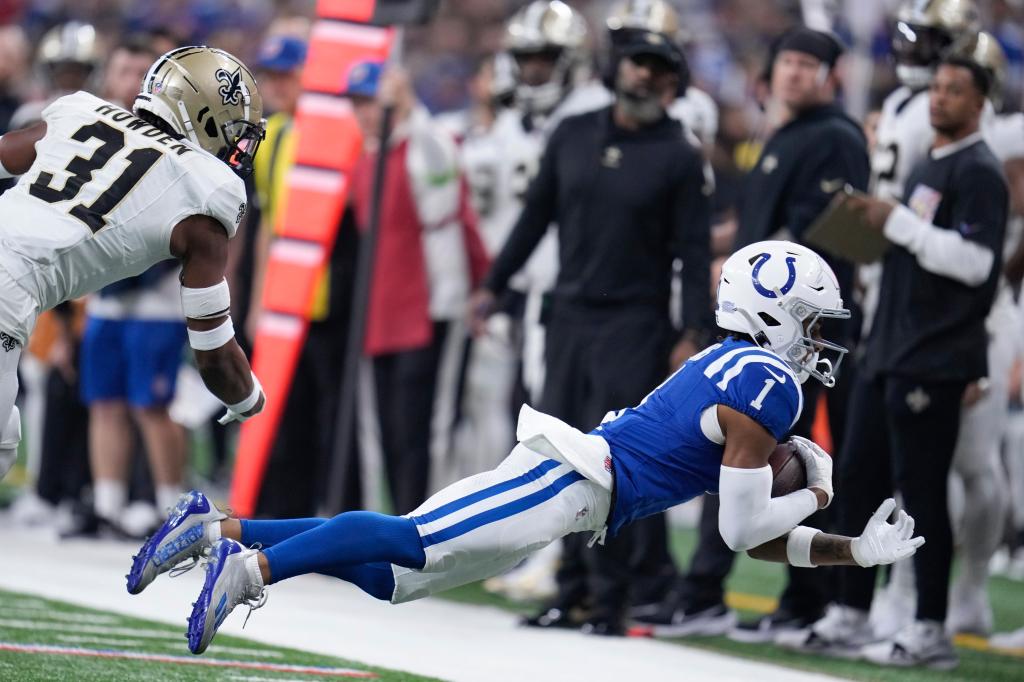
point(817, 464)
point(883, 542)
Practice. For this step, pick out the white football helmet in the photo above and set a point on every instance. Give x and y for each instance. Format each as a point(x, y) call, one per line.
point(776, 292)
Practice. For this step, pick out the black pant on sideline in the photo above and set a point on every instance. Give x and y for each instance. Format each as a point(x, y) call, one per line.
point(406, 384)
point(597, 361)
point(902, 436)
point(64, 457)
point(297, 473)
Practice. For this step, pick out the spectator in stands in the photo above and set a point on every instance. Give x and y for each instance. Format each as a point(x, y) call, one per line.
point(429, 256)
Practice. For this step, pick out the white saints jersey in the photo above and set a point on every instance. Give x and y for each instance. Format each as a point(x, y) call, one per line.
point(903, 139)
point(1004, 133)
point(101, 199)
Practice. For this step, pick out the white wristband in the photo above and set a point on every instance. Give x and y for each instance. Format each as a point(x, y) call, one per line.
point(214, 338)
point(206, 303)
point(798, 546)
point(250, 401)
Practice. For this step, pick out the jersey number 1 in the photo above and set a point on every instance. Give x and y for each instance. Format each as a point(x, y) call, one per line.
point(81, 169)
point(756, 403)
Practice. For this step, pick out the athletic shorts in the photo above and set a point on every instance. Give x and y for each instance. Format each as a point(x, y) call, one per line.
point(486, 524)
point(132, 360)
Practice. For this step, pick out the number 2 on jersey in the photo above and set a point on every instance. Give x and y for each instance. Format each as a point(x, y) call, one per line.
point(82, 168)
point(757, 403)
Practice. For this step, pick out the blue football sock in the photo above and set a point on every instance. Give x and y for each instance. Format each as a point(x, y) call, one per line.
point(376, 579)
point(343, 544)
point(269, 533)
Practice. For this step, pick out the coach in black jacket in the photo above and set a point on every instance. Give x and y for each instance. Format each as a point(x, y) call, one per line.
point(628, 195)
point(817, 150)
point(927, 343)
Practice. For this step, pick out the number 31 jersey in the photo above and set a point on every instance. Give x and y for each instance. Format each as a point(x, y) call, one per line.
point(666, 451)
point(101, 199)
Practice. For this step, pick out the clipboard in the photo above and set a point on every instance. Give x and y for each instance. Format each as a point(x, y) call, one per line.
point(843, 233)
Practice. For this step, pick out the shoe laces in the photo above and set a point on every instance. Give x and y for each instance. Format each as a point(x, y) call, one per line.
point(183, 568)
point(253, 602)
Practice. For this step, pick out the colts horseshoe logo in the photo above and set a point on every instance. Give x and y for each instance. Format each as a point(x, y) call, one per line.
point(785, 288)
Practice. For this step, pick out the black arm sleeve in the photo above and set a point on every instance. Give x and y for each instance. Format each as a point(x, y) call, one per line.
point(537, 214)
point(844, 161)
point(691, 242)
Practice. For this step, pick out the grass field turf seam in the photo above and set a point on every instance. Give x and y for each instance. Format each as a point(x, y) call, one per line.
point(34, 646)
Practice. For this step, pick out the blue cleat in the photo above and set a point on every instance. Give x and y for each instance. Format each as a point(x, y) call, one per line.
point(182, 537)
point(228, 584)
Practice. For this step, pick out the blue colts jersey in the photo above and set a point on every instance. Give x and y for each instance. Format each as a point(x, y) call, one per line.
point(660, 453)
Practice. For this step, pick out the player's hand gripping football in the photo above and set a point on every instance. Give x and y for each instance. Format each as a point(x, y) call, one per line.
point(817, 464)
point(883, 542)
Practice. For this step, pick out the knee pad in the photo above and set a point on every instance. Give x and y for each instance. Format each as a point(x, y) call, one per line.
point(10, 436)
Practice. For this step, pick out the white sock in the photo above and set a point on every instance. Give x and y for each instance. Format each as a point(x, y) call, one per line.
point(109, 498)
point(167, 496)
point(213, 532)
point(252, 564)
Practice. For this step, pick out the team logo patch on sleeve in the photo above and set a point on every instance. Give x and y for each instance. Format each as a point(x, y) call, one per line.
point(241, 212)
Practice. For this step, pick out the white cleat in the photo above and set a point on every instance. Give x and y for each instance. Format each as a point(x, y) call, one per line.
point(182, 537)
point(923, 644)
point(841, 633)
point(228, 584)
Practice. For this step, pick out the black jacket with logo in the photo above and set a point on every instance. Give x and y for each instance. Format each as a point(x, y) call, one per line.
point(626, 203)
point(800, 168)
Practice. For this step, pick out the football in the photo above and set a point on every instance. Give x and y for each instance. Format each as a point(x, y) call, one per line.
point(788, 474)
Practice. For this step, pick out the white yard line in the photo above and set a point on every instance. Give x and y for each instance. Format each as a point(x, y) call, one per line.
point(456, 642)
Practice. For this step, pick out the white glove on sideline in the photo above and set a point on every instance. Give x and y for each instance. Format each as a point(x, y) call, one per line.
point(817, 464)
point(883, 542)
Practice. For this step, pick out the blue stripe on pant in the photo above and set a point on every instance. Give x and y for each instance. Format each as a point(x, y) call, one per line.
point(505, 510)
point(451, 507)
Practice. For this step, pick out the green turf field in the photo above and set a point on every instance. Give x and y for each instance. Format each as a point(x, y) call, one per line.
point(753, 587)
point(46, 640)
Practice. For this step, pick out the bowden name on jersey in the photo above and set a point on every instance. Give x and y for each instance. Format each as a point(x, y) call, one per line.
point(666, 451)
point(100, 201)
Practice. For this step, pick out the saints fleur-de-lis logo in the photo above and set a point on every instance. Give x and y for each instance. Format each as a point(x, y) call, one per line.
point(231, 88)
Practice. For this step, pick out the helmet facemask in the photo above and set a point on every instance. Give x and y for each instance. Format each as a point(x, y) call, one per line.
point(805, 353)
point(241, 141)
point(917, 49)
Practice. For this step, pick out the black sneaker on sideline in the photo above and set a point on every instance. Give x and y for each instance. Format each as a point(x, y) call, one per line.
point(708, 622)
point(767, 628)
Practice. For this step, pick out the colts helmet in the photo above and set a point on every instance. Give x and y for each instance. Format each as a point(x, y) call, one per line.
point(926, 31)
point(548, 26)
point(776, 292)
point(209, 97)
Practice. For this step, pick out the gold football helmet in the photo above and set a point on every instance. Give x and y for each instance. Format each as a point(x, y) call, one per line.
point(652, 16)
point(209, 97)
point(987, 52)
point(928, 30)
point(548, 26)
point(72, 42)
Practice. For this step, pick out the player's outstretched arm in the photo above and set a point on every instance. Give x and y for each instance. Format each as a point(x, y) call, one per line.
point(18, 149)
point(201, 243)
point(880, 543)
point(748, 515)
